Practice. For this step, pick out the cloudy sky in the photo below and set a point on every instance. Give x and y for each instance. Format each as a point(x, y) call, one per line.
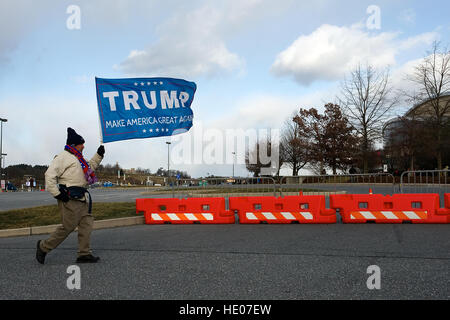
point(254, 62)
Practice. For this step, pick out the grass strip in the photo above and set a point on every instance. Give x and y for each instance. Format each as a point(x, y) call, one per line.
point(48, 215)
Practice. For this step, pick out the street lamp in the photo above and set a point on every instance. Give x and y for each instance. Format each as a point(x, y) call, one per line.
point(1, 146)
point(234, 153)
point(168, 163)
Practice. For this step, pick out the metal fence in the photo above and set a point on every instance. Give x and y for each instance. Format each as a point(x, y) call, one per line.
point(217, 187)
point(425, 181)
point(383, 183)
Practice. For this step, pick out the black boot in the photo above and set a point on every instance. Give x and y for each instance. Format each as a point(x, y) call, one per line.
point(40, 255)
point(87, 259)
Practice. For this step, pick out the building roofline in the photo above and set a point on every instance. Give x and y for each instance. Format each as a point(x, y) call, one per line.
point(419, 104)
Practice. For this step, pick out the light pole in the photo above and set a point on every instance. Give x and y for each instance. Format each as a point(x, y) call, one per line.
point(1, 146)
point(234, 153)
point(168, 163)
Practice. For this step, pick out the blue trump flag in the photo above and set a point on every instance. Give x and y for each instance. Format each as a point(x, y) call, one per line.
point(137, 108)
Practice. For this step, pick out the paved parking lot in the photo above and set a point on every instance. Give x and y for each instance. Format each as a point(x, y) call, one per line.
point(231, 261)
point(238, 262)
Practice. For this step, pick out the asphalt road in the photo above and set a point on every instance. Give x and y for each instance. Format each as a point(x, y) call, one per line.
point(17, 200)
point(237, 262)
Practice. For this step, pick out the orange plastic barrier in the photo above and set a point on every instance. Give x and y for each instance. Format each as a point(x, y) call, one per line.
point(398, 208)
point(290, 209)
point(447, 202)
point(185, 211)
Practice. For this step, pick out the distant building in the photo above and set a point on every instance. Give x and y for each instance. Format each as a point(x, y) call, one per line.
point(424, 110)
point(400, 152)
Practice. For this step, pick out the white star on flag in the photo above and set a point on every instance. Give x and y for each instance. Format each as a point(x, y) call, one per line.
point(149, 83)
point(157, 130)
point(160, 82)
point(155, 82)
point(144, 131)
point(142, 83)
point(151, 130)
point(135, 84)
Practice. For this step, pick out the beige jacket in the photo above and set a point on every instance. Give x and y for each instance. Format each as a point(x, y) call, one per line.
point(66, 169)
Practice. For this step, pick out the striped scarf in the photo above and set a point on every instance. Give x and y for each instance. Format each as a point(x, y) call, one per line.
point(88, 172)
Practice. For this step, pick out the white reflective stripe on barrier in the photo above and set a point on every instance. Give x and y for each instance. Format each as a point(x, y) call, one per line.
point(208, 216)
point(250, 216)
point(156, 216)
point(411, 215)
point(367, 214)
point(269, 215)
point(307, 215)
point(288, 215)
point(173, 216)
point(177, 216)
point(389, 214)
point(190, 216)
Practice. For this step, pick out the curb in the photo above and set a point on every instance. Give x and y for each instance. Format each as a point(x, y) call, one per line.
point(100, 224)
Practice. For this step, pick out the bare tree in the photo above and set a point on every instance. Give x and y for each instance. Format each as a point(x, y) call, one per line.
point(293, 146)
point(432, 80)
point(366, 100)
point(254, 160)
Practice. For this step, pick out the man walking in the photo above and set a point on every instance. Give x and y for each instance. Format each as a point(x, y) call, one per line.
point(66, 179)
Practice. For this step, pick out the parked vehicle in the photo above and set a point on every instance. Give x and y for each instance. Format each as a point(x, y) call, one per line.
point(10, 187)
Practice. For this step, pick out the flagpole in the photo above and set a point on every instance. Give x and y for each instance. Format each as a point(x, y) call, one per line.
point(99, 120)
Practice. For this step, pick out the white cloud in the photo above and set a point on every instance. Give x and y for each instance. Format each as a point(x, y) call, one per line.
point(399, 76)
point(188, 44)
point(192, 42)
point(269, 110)
point(329, 52)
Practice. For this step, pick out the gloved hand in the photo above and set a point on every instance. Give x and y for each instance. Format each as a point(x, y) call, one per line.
point(101, 151)
point(63, 196)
